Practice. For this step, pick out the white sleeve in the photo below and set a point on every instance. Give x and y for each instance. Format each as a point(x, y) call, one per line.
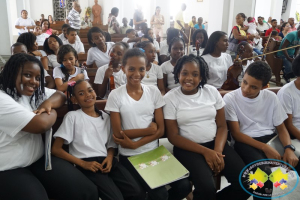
point(229, 60)
point(286, 102)
point(43, 53)
point(49, 92)
point(57, 73)
point(99, 75)
point(279, 114)
point(14, 117)
point(230, 113)
point(17, 22)
point(90, 58)
point(77, 38)
point(32, 22)
point(158, 99)
point(163, 68)
point(163, 49)
point(46, 73)
point(125, 39)
point(49, 62)
point(66, 129)
point(86, 77)
point(219, 100)
point(169, 109)
point(110, 142)
point(159, 73)
point(81, 48)
point(112, 103)
point(156, 45)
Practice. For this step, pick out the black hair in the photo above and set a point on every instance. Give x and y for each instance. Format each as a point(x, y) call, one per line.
point(242, 15)
point(273, 33)
point(283, 25)
point(46, 45)
point(28, 39)
point(193, 17)
point(70, 29)
point(114, 11)
point(239, 47)
point(156, 9)
point(125, 45)
point(10, 73)
point(94, 30)
point(65, 26)
point(144, 24)
point(176, 39)
point(17, 44)
point(70, 93)
point(51, 17)
point(171, 33)
point(199, 61)
point(63, 50)
point(212, 41)
point(45, 20)
point(273, 20)
point(23, 11)
point(260, 71)
point(107, 37)
point(129, 30)
point(143, 44)
point(148, 37)
point(296, 66)
point(135, 52)
point(203, 31)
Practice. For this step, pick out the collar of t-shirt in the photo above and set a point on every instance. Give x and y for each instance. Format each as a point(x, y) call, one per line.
point(248, 99)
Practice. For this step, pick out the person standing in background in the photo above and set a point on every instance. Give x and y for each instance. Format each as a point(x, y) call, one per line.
point(23, 23)
point(179, 21)
point(157, 21)
point(138, 18)
point(74, 17)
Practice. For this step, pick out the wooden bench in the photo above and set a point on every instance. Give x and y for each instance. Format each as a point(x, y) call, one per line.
point(117, 37)
point(275, 63)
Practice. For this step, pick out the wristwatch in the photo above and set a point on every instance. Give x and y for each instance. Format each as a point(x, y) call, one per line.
point(290, 146)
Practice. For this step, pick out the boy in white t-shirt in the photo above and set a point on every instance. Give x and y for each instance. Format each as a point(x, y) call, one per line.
point(289, 96)
point(77, 45)
point(63, 35)
point(253, 114)
point(131, 38)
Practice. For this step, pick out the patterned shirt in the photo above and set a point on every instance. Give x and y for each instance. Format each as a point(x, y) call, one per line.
point(74, 19)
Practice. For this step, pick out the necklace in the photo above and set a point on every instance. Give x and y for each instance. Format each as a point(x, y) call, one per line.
point(147, 73)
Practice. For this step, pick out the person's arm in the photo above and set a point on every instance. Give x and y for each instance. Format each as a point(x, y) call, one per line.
point(179, 22)
point(294, 131)
point(56, 100)
point(58, 151)
point(67, 21)
point(164, 58)
point(30, 27)
point(44, 61)
point(285, 53)
point(115, 119)
point(166, 82)
point(234, 128)
point(63, 86)
point(185, 38)
point(103, 87)
point(237, 36)
point(161, 87)
point(137, 39)
point(55, 32)
point(289, 155)
point(49, 82)
point(19, 27)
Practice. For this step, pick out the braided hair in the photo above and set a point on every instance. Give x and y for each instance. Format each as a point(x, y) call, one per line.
point(199, 61)
point(28, 39)
point(70, 93)
point(10, 73)
point(63, 50)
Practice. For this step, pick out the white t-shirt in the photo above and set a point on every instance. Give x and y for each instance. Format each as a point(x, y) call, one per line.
point(195, 114)
point(263, 27)
point(86, 136)
point(168, 68)
point(289, 97)
point(252, 28)
point(257, 117)
point(135, 114)
point(52, 61)
point(78, 46)
point(192, 50)
point(57, 73)
point(40, 39)
point(18, 148)
point(241, 76)
point(119, 78)
point(99, 57)
point(217, 69)
point(64, 40)
point(154, 73)
point(125, 39)
point(164, 48)
point(156, 45)
point(24, 22)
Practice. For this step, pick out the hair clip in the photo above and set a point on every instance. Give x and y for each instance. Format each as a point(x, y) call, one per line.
point(62, 66)
point(71, 83)
point(142, 50)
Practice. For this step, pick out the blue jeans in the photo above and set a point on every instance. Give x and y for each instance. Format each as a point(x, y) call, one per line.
point(257, 51)
point(287, 64)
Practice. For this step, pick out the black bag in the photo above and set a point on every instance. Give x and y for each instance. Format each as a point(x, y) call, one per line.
point(233, 43)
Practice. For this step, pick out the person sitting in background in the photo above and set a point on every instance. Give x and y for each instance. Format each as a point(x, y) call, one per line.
point(273, 28)
point(285, 29)
point(50, 19)
point(125, 26)
point(275, 36)
point(291, 21)
point(252, 26)
point(77, 45)
point(199, 25)
point(261, 25)
point(63, 35)
point(51, 46)
point(131, 38)
point(113, 26)
point(44, 32)
point(193, 22)
point(143, 29)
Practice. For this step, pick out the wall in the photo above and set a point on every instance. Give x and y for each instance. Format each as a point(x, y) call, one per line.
point(243, 6)
point(4, 31)
point(261, 9)
point(38, 7)
point(290, 11)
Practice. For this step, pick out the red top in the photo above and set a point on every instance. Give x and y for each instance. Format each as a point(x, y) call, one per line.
point(269, 31)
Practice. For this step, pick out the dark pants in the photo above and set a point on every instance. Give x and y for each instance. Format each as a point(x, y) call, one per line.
point(202, 176)
point(179, 189)
point(118, 184)
point(63, 182)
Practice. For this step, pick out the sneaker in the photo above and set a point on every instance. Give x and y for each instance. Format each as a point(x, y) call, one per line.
point(286, 78)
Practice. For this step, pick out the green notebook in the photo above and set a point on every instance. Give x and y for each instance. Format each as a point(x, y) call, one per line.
point(158, 167)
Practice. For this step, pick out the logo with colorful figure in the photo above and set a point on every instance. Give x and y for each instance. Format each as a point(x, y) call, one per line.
point(269, 178)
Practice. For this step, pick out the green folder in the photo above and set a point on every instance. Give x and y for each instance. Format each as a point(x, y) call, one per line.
point(158, 167)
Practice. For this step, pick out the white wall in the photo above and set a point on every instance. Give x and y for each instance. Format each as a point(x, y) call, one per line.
point(261, 9)
point(290, 11)
point(276, 9)
point(4, 31)
point(243, 6)
point(38, 7)
point(215, 23)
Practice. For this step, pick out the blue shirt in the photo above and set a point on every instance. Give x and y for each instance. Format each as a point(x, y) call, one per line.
point(197, 26)
point(293, 38)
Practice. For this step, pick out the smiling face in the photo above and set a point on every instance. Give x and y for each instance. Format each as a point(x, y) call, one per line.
point(287, 27)
point(135, 70)
point(69, 61)
point(260, 21)
point(222, 44)
point(98, 39)
point(53, 44)
point(45, 25)
point(150, 52)
point(177, 50)
point(28, 79)
point(189, 78)
point(84, 95)
point(251, 86)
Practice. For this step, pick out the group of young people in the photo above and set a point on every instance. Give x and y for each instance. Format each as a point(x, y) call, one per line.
point(179, 98)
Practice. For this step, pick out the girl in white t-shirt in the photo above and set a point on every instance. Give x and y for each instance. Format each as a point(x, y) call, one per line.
point(98, 53)
point(67, 57)
point(199, 38)
point(196, 126)
point(102, 78)
point(154, 75)
point(176, 50)
point(51, 46)
point(87, 131)
point(26, 111)
point(132, 108)
point(217, 60)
